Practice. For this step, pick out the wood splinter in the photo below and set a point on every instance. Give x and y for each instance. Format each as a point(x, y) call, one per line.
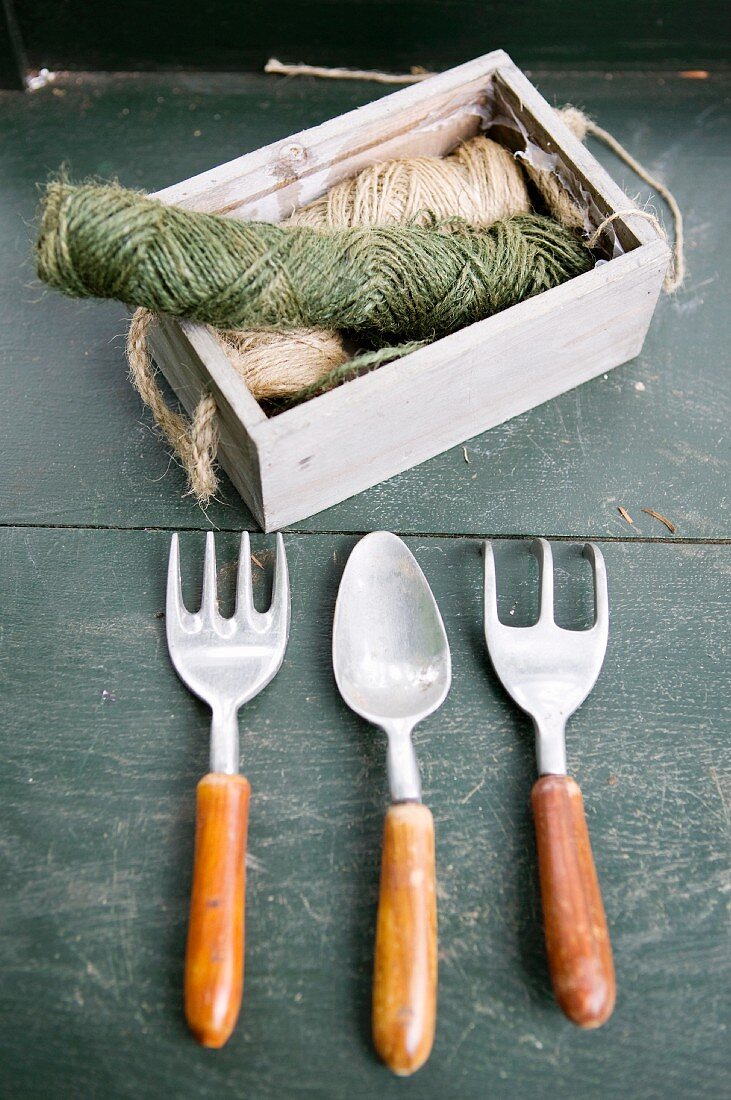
point(663, 519)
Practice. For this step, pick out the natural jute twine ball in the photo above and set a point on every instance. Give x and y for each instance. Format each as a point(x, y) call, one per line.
point(480, 181)
point(275, 363)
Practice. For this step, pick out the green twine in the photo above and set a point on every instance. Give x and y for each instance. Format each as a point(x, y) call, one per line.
point(383, 284)
point(362, 363)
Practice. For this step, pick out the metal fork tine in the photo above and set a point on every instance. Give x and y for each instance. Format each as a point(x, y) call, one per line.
point(209, 606)
point(601, 597)
point(492, 622)
point(175, 608)
point(243, 582)
point(224, 661)
point(542, 550)
point(244, 598)
point(280, 588)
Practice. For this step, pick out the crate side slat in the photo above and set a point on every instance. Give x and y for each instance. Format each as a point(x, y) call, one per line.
point(299, 168)
point(457, 388)
point(189, 376)
point(605, 278)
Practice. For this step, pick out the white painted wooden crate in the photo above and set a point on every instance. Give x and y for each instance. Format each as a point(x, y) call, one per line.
point(294, 464)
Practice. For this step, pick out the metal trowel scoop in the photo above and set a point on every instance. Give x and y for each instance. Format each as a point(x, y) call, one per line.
point(392, 666)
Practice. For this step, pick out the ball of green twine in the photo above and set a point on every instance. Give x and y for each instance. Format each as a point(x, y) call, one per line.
point(380, 283)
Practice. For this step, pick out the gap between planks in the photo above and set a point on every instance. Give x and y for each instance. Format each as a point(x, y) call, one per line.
point(669, 540)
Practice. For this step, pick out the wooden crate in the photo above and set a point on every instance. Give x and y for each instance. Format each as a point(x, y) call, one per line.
point(294, 464)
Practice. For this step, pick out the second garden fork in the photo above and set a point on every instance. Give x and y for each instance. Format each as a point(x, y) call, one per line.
point(225, 662)
point(549, 672)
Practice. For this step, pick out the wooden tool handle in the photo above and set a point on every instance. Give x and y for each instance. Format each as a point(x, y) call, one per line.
point(214, 959)
point(405, 973)
point(577, 938)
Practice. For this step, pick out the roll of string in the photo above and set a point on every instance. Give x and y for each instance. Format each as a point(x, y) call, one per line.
point(382, 284)
point(379, 284)
point(479, 181)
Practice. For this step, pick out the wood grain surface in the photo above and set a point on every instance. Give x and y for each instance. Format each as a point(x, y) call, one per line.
point(651, 434)
point(405, 966)
point(101, 745)
point(214, 954)
point(577, 938)
point(98, 811)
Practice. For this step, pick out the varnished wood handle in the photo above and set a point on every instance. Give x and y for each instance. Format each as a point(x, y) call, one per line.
point(577, 938)
point(405, 973)
point(214, 959)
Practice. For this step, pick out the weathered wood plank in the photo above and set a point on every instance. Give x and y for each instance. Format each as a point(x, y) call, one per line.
point(101, 750)
point(76, 448)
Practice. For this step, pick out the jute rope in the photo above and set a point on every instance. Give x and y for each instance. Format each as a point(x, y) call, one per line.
point(372, 75)
point(276, 364)
point(558, 201)
point(258, 357)
point(380, 284)
point(676, 271)
point(194, 441)
point(480, 181)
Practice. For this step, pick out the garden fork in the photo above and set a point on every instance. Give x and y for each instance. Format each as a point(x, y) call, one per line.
point(225, 662)
point(549, 672)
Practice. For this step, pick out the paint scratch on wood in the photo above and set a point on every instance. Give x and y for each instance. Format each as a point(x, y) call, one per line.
point(721, 794)
point(475, 789)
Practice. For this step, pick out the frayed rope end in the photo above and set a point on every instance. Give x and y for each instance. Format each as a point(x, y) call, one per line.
point(195, 441)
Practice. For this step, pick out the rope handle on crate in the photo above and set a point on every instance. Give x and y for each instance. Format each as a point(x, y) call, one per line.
point(195, 441)
point(676, 272)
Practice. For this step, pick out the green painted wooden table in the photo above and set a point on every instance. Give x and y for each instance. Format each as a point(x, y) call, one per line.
point(102, 746)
